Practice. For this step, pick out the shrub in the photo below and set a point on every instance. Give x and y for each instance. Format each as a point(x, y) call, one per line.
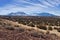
point(24, 23)
point(58, 29)
point(16, 25)
point(42, 27)
point(51, 24)
point(50, 28)
point(32, 25)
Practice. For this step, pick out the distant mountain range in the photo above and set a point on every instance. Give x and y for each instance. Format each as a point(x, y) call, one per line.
point(24, 14)
point(45, 14)
point(18, 14)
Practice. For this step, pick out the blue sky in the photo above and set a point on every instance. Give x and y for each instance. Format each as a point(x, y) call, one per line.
point(30, 6)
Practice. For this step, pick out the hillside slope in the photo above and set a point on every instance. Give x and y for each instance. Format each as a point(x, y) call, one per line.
point(16, 31)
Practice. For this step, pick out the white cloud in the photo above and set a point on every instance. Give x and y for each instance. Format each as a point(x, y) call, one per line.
point(47, 4)
point(30, 9)
point(13, 8)
point(10, 8)
point(53, 2)
point(24, 1)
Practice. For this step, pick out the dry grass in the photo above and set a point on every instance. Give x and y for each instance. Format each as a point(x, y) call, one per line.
point(21, 34)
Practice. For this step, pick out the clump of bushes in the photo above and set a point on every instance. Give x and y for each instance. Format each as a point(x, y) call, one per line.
point(50, 28)
point(24, 23)
point(58, 29)
point(42, 27)
point(31, 29)
point(51, 24)
point(16, 25)
point(32, 25)
point(55, 28)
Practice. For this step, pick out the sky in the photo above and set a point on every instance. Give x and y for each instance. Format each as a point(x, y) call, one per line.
point(30, 6)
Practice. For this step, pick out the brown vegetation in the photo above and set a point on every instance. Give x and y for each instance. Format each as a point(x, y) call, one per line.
point(11, 28)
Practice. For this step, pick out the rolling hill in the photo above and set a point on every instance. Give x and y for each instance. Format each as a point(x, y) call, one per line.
point(33, 14)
